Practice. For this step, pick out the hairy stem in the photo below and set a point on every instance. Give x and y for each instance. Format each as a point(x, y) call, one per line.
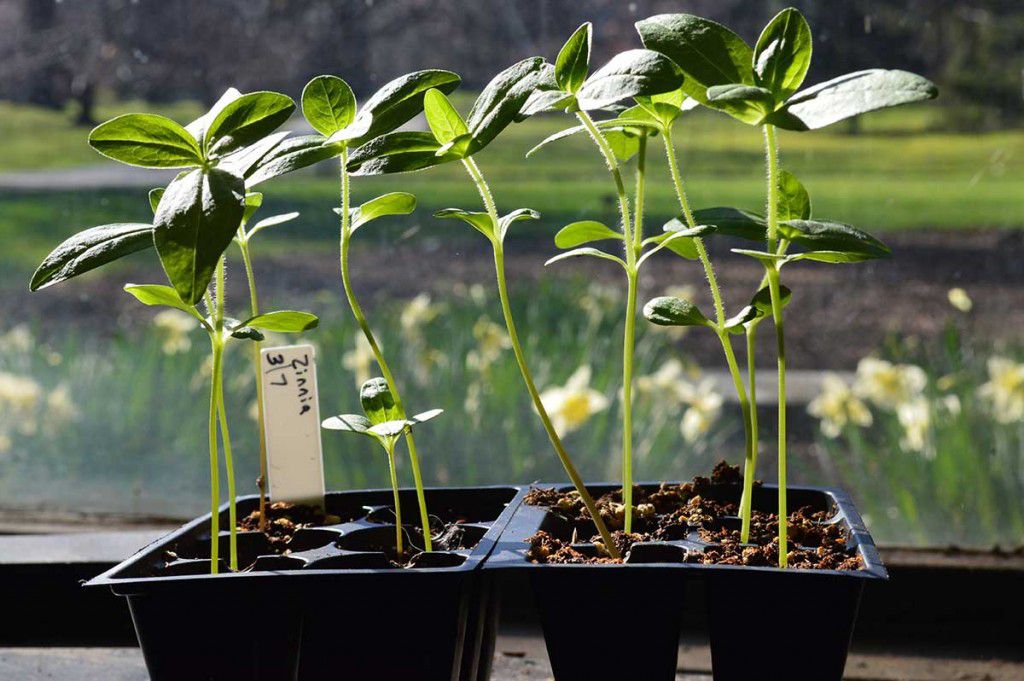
point(745, 409)
point(771, 151)
point(218, 381)
point(524, 369)
point(214, 463)
point(364, 326)
point(750, 468)
point(254, 309)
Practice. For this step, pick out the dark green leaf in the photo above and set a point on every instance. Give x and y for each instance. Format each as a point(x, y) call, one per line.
point(283, 321)
point(629, 74)
point(444, 121)
point(481, 222)
point(794, 203)
point(760, 307)
point(728, 221)
point(783, 54)
point(196, 221)
point(834, 257)
point(399, 100)
point(398, 152)
point(708, 53)
point(393, 203)
point(90, 249)
point(247, 119)
point(851, 95)
point(671, 311)
point(746, 103)
point(154, 198)
point(198, 127)
point(583, 232)
point(328, 104)
point(832, 236)
point(501, 101)
point(293, 154)
point(505, 221)
point(573, 62)
point(237, 330)
point(378, 402)
point(546, 95)
point(593, 252)
point(146, 140)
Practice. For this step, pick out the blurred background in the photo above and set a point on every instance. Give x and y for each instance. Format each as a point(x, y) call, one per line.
point(908, 387)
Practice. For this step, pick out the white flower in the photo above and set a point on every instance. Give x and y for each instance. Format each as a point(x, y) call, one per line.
point(951, 403)
point(959, 299)
point(705, 406)
point(491, 341)
point(570, 406)
point(664, 380)
point(1004, 390)
point(18, 394)
point(836, 406)
point(915, 418)
point(174, 327)
point(59, 405)
point(18, 339)
point(889, 385)
point(418, 312)
point(359, 360)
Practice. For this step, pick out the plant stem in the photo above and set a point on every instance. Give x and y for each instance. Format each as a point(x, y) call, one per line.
point(745, 410)
point(771, 148)
point(398, 502)
point(750, 468)
point(218, 386)
point(214, 464)
point(632, 238)
point(357, 312)
point(254, 309)
point(524, 369)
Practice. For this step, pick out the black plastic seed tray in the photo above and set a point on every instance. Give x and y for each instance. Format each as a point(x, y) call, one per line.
point(754, 612)
point(330, 605)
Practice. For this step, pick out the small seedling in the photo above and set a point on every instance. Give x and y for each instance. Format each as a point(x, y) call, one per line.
point(330, 107)
point(385, 423)
point(451, 138)
point(758, 86)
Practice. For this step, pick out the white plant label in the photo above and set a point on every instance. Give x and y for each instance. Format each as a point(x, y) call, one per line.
point(295, 466)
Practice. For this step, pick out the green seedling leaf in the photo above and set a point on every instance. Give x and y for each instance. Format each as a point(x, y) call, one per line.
point(154, 198)
point(146, 140)
point(671, 311)
point(573, 62)
point(833, 236)
point(459, 147)
point(612, 125)
point(389, 430)
point(680, 242)
point(198, 127)
point(759, 308)
point(629, 74)
point(833, 257)
point(272, 221)
point(358, 129)
point(586, 251)
point(583, 232)
point(481, 222)
point(851, 95)
point(236, 329)
point(253, 201)
point(505, 221)
point(783, 54)
point(708, 53)
point(378, 402)
point(283, 321)
point(767, 259)
point(244, 161)
point(398, 152)
point(746, 103)
point(247, 119)
point(501, 101)
point(794, 203)
point(393, 203)
point(292, 154)
point(443, 119)
point(728, 221)
point(195, 222)
point(399, 100)
point(425, 416)
point(351, 423)
point(546, 95)
point(89, 249)
point(328, 104)
point(159, 295)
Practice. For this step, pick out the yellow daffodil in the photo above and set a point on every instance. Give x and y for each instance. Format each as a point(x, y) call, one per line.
point(572, 404)
point(889, 385)
point(1004, 390)
point(915, 418)
point(18, 339)
point(491, 341)
point(836, 406)
point(418, 312)
point(959, 299)
point(174, 327)
point(19, 394)
point(359, 360)
point(705, 405)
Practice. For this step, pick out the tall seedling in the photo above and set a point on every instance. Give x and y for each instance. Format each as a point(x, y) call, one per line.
point(330, 107)
point(759, 87)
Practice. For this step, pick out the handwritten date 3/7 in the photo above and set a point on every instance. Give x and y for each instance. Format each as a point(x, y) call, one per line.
point(295, 373)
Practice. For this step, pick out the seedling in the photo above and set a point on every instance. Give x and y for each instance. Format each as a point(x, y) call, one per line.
point(196, 218)
point(452, 138)
point(330, 107)
point(385, 423)
point(759, 87)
